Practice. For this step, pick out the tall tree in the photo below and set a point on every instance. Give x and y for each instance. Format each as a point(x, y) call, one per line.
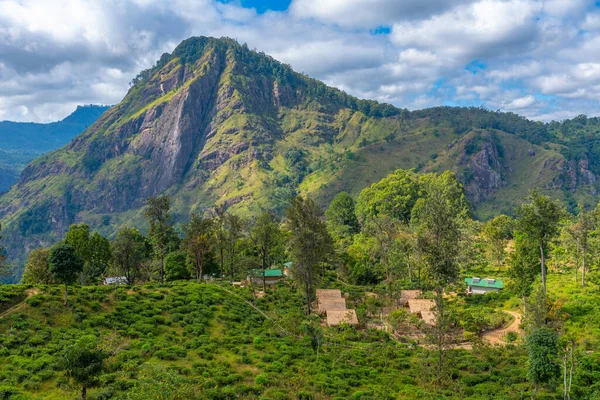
point(220, 235)
point(341, 216)
point(161, 232)
point(264, 235)
point(436, 219)
point(539, 220)
point(524, 265)
point(78, 236)
point(129, 250)
point(234, 230)
point(84, 363)
point(93, 249)
point(198, 243)
point(99, 257)
point(309, 244)
point(496, 233)
point(176, 267)
point(65, 265)
point(395, 196)
point(543, 367)
point(582, 228)
point(37, 269)
point(393, 245)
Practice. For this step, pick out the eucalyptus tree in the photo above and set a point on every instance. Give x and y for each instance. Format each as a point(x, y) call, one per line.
point(309, 243)
point(539, 220)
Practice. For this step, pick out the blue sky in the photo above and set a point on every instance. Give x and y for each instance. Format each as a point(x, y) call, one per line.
point(537, 58)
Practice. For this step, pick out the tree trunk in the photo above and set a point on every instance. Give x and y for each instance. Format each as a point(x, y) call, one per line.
point(564, 360)
point(535, 391)
point(439, 333)
point(66, 293)
point(199, 272)
point(221, 260)
point(583, 266)
point(264, 265)
point(576, 259)
point(162, 269)
point(83, 393)
point(571, 371)
point(307, 288)
point(543, 268)
point(308, 291)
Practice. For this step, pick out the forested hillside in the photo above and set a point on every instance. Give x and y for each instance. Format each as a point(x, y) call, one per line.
point(223, 306)
point(215, 123)
point(21, 142)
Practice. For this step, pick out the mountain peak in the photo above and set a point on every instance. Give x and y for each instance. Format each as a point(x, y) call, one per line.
point(214, 122)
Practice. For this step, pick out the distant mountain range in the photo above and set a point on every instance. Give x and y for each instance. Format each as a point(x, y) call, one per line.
point(22, 142)
point(217, 123)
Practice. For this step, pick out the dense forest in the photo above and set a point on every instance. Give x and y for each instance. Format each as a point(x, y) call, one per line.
point(192, 314)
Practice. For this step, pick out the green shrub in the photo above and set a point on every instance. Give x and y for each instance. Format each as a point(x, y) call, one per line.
point(261, 379)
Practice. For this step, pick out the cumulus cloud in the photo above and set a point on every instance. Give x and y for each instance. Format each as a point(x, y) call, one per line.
point(534, 57)
point(369, 13)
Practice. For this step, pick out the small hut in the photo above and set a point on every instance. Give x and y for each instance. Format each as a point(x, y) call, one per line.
point(428, 317)
point(331, 305)
point(423, 308)
point(406, 295)
point(324, 294)
point(338, 317)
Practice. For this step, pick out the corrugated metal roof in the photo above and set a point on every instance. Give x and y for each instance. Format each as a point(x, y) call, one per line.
point(488, 282)
point(273, 273)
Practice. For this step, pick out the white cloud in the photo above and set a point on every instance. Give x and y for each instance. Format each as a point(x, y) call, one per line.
point(368, 13)
point(504, 54)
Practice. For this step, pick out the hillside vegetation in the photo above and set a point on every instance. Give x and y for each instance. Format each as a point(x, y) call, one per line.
point(199, 341)
point(217, 123)
point(196, 317)
point(20, 142)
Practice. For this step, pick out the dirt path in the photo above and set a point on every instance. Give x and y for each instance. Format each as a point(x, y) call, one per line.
point(497, 335)
point(28, 293)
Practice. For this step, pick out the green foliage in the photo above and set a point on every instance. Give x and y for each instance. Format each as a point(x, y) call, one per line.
point(341, 216)
point(437, 220)
point(93, 249)
point(65, 265)
point(198, 245)
point(84, 362)
point(37, 270)
point(161, 233)
point(310, 244)
point(130, 250)
point(538, 220)
point(394, 196)
point(176, 267)
point(524, 264)
point(496, 233)
point(543, 366)
point(267, 239)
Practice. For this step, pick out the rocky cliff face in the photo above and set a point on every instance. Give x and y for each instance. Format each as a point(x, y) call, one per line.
point(486, 168)
point(573, 175)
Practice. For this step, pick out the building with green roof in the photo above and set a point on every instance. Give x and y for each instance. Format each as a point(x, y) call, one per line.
point(483, 286)
point(271, 275)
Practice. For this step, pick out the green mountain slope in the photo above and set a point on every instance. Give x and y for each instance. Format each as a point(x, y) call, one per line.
point(22, 142)
point(215, 122)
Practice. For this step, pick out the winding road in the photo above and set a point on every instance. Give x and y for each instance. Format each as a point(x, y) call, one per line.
point(497, 336)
